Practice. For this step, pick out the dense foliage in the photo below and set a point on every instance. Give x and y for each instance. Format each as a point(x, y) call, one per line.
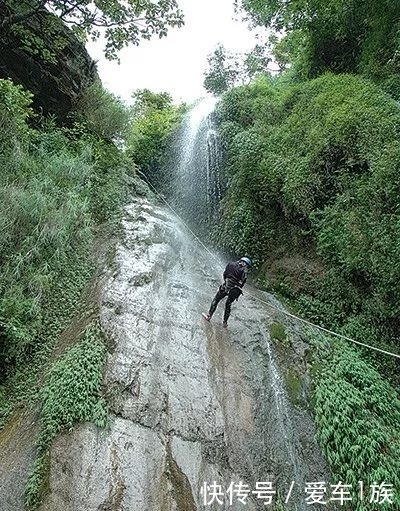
point(311, 163)
point(71, 394)
point(222, 71)
point(62, 189)
point(227, 69)
point(312, 192)
point(101, 113)
point(340, 36)
point(313, 168)
point(155, 120)
point(357, 413)
point(57, 186)
point(120, 22)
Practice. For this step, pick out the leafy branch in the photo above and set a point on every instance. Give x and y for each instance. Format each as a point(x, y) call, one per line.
point(123, 22)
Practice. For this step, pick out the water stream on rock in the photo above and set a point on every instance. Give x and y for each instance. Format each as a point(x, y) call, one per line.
point(193, 407)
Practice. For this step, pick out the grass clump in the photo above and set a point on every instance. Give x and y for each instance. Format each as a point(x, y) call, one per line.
point(71, 395)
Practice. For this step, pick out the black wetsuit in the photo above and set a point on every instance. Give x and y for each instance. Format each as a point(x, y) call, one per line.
point(234, 278)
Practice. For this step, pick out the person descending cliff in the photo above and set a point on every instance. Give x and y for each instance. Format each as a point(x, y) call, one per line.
point(234, 276)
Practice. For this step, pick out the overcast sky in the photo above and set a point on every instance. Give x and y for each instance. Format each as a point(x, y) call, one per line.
point(176, 63)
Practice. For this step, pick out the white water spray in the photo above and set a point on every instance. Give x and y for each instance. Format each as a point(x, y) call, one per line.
point(196, 183)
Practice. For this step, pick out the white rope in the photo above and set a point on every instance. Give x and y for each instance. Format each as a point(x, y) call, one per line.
point(180, 218)
point(326, 330)
point(321, 327)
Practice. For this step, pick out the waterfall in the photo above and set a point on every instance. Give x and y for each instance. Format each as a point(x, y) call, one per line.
point(285, 441)
point(194, 167)
point(196, 192)
point(191, 404)
point(213, 171)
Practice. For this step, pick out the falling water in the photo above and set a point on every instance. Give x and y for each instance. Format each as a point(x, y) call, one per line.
point(195, 167)
point(213, 171)
point(196, 193)
point(286, 439)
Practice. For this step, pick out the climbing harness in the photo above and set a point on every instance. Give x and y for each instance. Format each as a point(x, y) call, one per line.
point(288, 314)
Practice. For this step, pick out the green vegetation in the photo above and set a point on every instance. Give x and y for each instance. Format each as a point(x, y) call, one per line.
point(311, 168)
point(293, 382)
point(155, 120)
point(277, 331)
point(71, 395)
point(311, 161)
point(53, 192)
point(123, 22)
point(101, 114)
point(14, 112)
point(227, 69)
point(222, 72)
point(357, 413)
point(62, 188)
point(341, 36)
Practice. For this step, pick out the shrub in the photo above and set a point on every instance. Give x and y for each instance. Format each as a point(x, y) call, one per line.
point(313, 167)
point(14, 111)
point(101, 113)
point(357, 414)
point(71, 395)
point(155, 120)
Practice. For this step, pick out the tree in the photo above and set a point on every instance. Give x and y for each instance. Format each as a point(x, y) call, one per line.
point(146, 101)
point(226, 69)
point(256, 61)
point(358, 36)
point(222, 72)
point(154, 120)
point(121, 21)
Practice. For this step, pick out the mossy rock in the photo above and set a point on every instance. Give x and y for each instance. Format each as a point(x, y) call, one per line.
point(293, 386)
point(277, 332)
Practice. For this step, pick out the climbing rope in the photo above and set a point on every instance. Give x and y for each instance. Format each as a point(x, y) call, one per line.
point(288, 314)
point(331, 332)
point(178, 216)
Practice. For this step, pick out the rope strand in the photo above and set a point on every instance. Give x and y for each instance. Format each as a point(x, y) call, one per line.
point(326, 330)
point(293, 316)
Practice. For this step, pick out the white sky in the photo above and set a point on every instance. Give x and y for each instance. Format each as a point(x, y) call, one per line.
point(176, 63)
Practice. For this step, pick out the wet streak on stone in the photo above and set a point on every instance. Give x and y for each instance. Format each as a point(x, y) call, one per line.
point(190, 402)
point(182, 491)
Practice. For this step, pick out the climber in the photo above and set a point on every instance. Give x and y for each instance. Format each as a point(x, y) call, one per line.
point(234, 276)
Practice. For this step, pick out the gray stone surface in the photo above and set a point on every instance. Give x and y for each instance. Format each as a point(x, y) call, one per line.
point(190, 402)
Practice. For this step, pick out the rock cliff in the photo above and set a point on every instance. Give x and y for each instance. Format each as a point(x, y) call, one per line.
point(56, 83)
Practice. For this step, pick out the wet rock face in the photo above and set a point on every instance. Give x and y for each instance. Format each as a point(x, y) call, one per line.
point(191, 404)
point(18, 454)
point(57, 85)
